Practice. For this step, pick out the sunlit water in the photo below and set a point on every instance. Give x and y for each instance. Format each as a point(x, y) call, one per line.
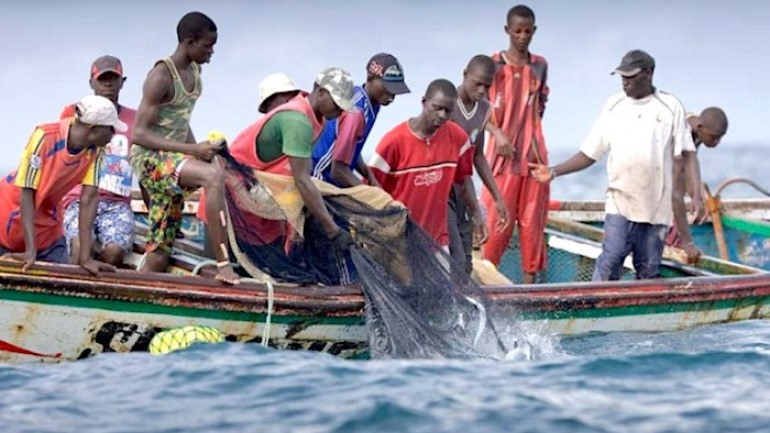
point(710, 379)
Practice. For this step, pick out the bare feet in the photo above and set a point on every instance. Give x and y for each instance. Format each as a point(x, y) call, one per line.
point(227, 275)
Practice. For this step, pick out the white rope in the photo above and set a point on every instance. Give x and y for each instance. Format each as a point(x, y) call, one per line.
point(270, 297)
point(201, 265)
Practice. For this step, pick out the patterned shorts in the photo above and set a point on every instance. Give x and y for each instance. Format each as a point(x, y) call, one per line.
point(114, 224)
point(159, 175)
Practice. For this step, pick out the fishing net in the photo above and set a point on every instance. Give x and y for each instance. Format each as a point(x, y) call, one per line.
point(419, 302)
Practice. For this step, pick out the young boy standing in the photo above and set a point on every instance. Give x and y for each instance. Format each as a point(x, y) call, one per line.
point(518, 95)
point(471, 112)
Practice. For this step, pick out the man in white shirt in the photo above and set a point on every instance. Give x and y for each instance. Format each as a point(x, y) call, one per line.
point(641, 130)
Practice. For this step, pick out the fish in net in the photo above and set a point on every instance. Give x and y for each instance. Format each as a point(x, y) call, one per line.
point(419, 302)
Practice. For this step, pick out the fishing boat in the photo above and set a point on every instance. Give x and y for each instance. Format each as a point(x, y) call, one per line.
point(737, 229)
point(54, 313)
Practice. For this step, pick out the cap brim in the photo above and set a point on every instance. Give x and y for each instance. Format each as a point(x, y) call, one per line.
point(104, 71)
point(344, 104)
point(396, 87)
point(120, 126)
point(629, 73)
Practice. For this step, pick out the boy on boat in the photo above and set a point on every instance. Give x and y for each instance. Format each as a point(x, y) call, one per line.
point(114, 223)
point(57, 157)
point(642, 130)
point(708, 128)
point(168, 161)
point(471, 112)
point(419, 160)
point(518, 95)
point(337, 153)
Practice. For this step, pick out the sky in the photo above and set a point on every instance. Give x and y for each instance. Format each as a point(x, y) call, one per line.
point(707, 53)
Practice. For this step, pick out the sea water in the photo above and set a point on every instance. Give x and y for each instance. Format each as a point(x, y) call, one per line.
point(708, 379)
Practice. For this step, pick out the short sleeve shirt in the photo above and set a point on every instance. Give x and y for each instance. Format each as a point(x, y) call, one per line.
point(286, 133)
point(641, 137)
point(49, 168)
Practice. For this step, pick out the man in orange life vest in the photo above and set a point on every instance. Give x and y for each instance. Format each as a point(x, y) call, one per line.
point(57, 157)
point(282, 143)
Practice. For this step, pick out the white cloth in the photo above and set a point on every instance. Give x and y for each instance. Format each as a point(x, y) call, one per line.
point(641, 138)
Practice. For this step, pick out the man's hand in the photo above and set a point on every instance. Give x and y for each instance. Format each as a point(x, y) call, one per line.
point(205, 150)
point(480, 233)
point(693, 253)
point(699, 210)
point(27, 258)
point(503, 145)
point(373, 181)
point(342, 240)
point(95, 266)
point(541, 172)
point(503, 217)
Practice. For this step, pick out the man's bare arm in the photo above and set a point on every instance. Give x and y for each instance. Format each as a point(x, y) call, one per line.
point(301, 168)
point(155, 91)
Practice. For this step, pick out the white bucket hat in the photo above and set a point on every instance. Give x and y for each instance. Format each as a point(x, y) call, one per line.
point(274, 84)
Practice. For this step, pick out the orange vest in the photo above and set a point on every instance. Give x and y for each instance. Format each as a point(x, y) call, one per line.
point(244, 148)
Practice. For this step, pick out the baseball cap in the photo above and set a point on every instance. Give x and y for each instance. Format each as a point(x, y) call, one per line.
point(274, 84)
point(106, 64)
point(633, 62)
point(339, 84)
point(386, 66)
point(98, 110)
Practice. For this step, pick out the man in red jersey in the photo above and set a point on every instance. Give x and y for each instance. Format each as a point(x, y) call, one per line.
point(518, 95)
point(418, 161)
point(57, 157)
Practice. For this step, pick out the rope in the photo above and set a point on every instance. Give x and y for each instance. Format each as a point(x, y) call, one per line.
point(743, 180)
point(270, 298)
point(203, 264)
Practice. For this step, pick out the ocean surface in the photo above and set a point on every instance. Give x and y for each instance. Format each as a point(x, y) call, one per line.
point(708, 379)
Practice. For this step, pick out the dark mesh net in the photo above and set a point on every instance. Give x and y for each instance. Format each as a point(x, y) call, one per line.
point(419, 302)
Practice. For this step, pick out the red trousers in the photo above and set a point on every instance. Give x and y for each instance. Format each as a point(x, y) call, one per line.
point(527, 201)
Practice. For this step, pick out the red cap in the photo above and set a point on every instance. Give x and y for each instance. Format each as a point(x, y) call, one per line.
point(106, 64)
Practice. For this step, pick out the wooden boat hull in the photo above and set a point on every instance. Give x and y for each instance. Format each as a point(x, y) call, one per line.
point(56, 313)
point(745, 222)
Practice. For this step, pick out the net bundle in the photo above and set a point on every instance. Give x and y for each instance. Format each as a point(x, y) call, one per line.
point(419, 302)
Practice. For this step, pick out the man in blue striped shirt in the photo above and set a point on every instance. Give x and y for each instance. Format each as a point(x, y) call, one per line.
point(337, 153)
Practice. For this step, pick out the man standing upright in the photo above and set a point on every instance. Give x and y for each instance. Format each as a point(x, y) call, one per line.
point(114, 223)
point(167, 159)
point(642, 130)
point(518, 95)
point(337, 153)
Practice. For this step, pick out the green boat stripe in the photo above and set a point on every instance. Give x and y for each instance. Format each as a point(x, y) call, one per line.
point(643, 310)
point(760, 228)
point(147, 308)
